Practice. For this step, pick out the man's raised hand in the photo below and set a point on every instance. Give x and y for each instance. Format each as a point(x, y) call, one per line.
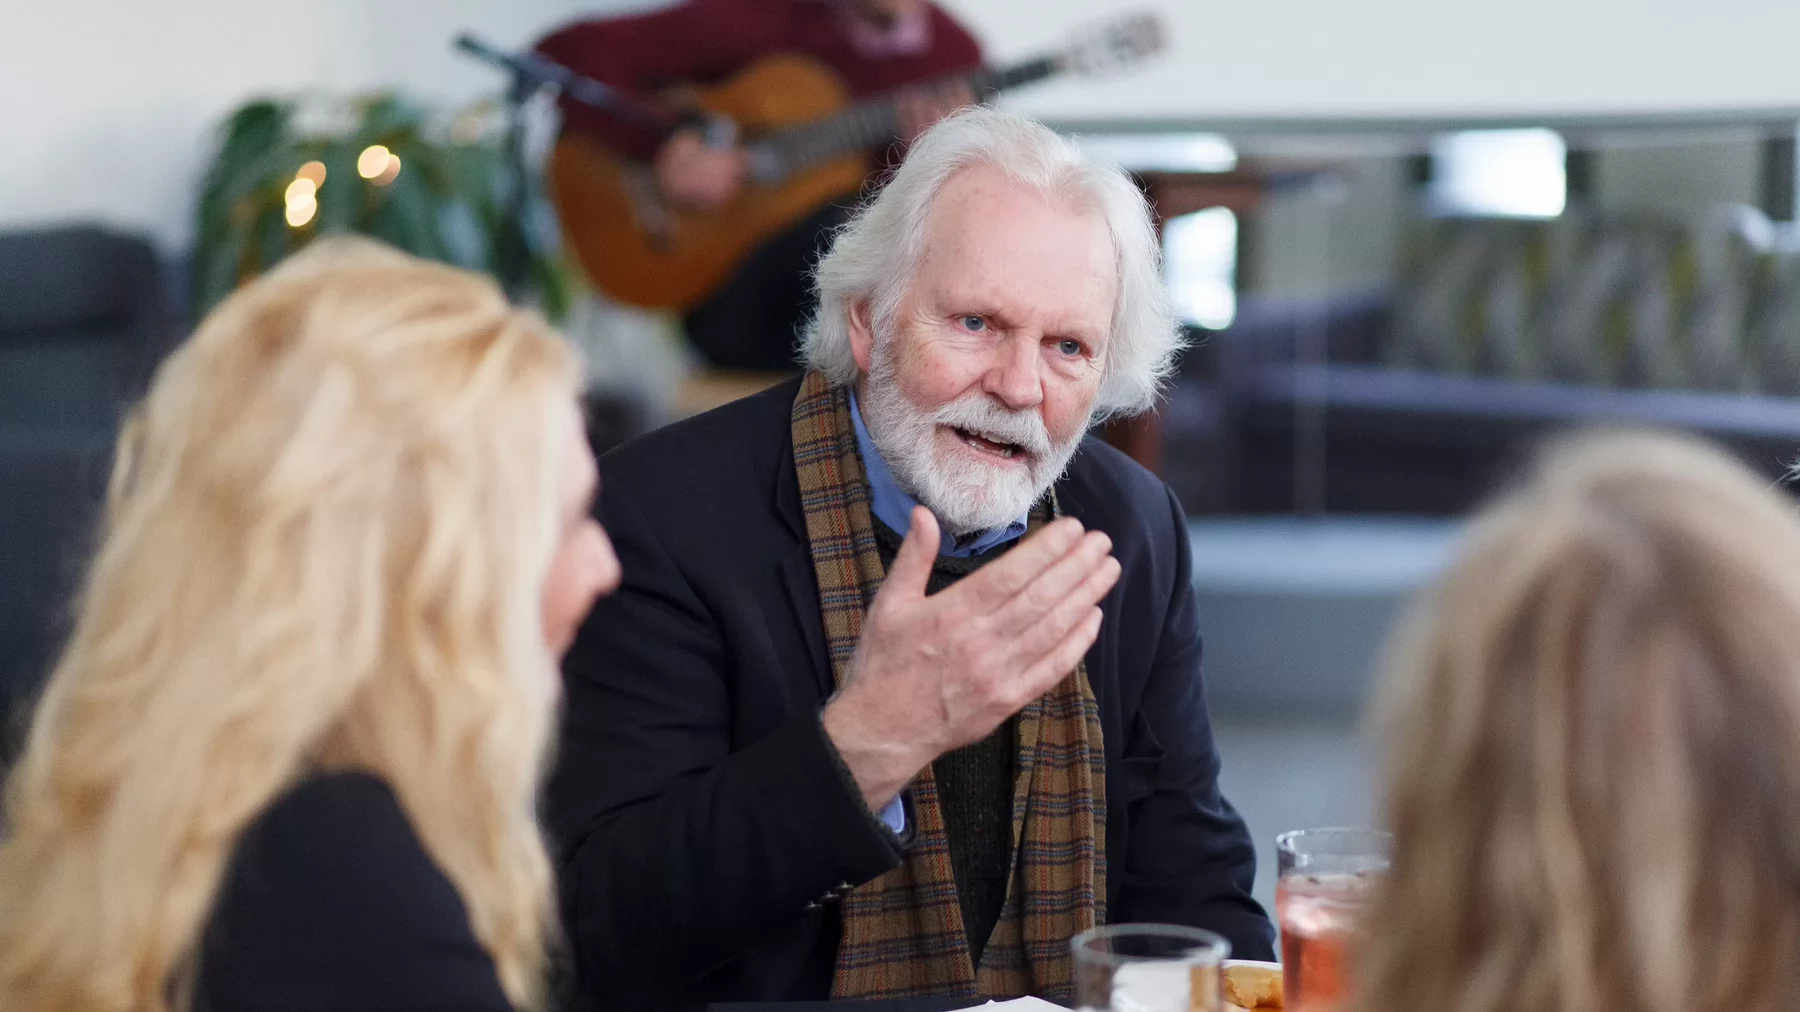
point(935, 673)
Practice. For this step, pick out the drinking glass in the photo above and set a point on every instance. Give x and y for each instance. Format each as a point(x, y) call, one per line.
point(1326, 877)
point(1148, 968)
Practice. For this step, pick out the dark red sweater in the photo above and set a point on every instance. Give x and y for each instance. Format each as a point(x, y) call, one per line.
point(704, 41)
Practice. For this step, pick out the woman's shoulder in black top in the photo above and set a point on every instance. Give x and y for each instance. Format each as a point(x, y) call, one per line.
point(331, 902)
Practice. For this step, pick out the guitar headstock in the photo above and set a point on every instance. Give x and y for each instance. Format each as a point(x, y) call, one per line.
point(1114, 44)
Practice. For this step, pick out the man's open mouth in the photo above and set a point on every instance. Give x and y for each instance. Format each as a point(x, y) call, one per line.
point(998, 448)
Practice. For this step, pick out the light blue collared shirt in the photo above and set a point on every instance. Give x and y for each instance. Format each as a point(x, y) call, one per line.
point(893, 506)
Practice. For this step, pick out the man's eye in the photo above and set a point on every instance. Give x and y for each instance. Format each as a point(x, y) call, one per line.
point(1069, 346)
point(972, 323)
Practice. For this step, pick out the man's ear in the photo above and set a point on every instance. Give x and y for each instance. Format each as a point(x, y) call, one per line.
point(862, 334)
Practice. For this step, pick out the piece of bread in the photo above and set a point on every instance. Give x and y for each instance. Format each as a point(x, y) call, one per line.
point(1253, 987)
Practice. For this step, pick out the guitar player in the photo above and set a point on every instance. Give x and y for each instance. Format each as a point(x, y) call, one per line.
point(874, 46)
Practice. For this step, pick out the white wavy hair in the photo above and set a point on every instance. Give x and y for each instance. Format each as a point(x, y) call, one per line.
point(873, 256)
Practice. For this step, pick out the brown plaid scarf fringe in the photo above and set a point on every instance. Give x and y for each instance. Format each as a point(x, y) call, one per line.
point(903, 934)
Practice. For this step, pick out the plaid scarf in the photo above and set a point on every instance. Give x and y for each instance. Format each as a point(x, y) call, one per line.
point(903, 934)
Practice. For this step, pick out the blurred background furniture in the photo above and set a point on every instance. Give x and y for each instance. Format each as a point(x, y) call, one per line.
point(85, 313)
point(1498, 333)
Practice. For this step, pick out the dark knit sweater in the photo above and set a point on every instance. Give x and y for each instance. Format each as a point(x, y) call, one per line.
point(975, 784)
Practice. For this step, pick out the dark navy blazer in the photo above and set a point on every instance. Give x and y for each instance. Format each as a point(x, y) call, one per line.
point(704, 829)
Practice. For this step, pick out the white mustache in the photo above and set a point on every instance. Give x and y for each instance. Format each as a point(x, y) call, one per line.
point(978, 414)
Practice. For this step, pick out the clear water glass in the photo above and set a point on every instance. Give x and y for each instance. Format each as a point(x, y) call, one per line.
point(1149, 968)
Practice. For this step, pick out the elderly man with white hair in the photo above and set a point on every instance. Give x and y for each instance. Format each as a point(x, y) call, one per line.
point(902, 687)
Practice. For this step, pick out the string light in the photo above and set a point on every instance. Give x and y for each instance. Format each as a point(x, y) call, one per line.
point(302, 194)
point(301, 189)
point(374, 161)
point(300, 212)
point(388, 172)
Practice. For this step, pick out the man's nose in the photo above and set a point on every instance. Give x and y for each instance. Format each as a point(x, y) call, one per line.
point(1015, 377)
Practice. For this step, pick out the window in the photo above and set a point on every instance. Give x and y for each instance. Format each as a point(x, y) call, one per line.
point(1200, 266)
point(1199, 250)
point(1499, 173)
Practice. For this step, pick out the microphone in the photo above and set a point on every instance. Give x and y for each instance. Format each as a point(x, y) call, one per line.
point(533, 70)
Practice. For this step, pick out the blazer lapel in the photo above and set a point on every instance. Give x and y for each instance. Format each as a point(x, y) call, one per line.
point(803, 593)
point(1103, 655)
point(797, 576)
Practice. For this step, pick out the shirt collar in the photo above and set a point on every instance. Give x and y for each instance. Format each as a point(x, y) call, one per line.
point(893, 506)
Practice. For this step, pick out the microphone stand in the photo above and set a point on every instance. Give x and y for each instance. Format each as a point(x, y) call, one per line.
point(530, 74)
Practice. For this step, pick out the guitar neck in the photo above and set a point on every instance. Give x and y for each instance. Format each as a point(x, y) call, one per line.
point(874, 122)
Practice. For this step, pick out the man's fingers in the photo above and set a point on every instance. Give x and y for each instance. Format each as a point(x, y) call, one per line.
point(1053, 584)
point(995, 583)
point(1071, 650)
point(1041, 632)
point(907, 577)
point(1054, 666)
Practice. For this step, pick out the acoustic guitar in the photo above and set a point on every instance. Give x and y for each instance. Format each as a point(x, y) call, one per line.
point(805, 143)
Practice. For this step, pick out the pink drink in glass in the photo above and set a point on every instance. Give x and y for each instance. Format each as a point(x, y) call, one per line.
point(1327, 877)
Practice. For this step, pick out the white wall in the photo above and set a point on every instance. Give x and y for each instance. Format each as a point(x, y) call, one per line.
point(1314, 58)
point(107, 106)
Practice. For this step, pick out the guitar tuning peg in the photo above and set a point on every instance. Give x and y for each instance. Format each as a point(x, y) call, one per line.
point(1117, 42)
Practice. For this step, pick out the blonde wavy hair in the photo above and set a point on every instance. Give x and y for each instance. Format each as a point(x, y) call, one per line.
point(1594, 759)
point(325, 544)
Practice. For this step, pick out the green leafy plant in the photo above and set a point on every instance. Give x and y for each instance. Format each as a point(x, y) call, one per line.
point(289, 170)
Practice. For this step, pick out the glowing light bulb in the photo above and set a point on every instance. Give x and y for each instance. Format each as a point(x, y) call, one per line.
point(373, 161)
point(314, 171)
point(300, 212)
point(301, 189)
point(388, 172)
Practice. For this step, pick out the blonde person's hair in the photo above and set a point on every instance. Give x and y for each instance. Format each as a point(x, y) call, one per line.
point(324, 547)
point(1594, 749)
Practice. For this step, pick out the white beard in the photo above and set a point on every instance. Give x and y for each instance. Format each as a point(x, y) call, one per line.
point(965, 495)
